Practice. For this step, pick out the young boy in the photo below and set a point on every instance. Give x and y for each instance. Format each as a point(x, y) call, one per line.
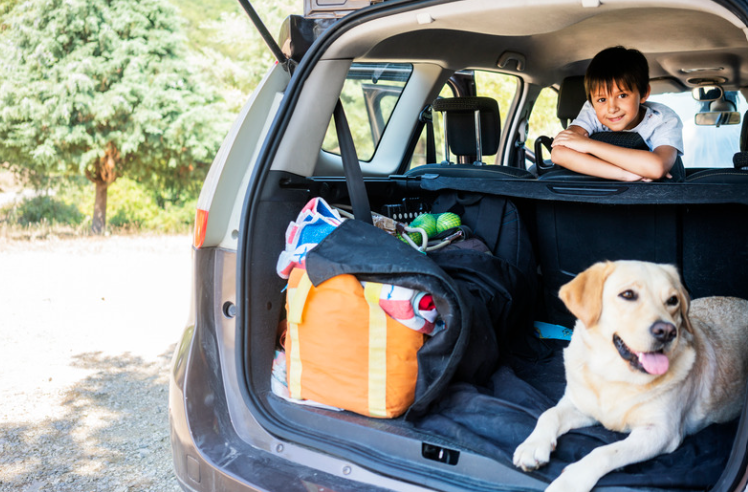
point(617, 86)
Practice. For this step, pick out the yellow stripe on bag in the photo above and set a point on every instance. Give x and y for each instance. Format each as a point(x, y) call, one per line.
point(296, 302)
point(377, 351)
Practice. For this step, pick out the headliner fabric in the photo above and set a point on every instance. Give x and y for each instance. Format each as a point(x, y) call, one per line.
point(495, 419)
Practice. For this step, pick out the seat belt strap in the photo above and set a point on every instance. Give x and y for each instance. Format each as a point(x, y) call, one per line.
point(427, 118)
point(354, 178)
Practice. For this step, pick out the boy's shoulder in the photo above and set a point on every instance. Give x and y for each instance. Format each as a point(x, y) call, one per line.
point(661, 109)
point(661, 126)
point(658, 114)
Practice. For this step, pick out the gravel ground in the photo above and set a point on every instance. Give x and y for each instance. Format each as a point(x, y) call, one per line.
point(87, 332)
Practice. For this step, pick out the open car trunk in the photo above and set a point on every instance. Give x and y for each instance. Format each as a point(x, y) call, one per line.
point(466, 435)
point(485, 398)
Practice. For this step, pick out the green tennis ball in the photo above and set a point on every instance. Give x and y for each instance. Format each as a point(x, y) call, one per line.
point(427, 222)
point(414, 236)
point(447, 221)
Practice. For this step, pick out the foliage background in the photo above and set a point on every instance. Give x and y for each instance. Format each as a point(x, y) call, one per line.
point(231, 58)
point(225, 49)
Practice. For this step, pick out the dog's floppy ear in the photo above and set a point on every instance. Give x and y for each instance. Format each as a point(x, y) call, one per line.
point(583, 296)
point(683, 297)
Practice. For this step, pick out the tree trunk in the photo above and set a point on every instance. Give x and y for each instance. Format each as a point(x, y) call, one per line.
point(98, 224)
point(102, 174)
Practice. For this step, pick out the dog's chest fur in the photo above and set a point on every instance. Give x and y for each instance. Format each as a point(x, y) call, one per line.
point(617, 396)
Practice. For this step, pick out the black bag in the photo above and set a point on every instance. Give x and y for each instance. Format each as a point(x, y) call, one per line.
point(481, 297)
point(507, 282)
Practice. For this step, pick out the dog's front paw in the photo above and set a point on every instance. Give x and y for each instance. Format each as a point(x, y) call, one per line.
point(533, 453)
point(573, 479)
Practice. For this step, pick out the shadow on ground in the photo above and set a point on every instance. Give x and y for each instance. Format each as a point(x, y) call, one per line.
point(112, 435)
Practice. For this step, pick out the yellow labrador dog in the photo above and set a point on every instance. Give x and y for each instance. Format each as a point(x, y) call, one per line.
point(641, 362)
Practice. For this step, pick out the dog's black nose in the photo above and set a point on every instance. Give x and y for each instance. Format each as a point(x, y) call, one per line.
point(663, 331)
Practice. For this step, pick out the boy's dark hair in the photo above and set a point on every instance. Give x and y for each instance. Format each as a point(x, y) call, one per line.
point(617, 66)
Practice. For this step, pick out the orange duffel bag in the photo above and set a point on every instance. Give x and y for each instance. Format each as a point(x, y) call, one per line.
point(343, 350)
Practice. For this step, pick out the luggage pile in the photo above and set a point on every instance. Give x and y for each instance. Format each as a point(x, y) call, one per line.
point(380, 319)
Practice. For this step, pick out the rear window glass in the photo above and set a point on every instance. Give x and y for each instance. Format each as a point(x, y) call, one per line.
point(369, 96)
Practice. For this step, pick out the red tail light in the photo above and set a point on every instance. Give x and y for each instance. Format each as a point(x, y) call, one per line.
point(201, 223)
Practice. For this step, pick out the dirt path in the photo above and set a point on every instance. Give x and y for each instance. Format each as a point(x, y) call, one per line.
point(87, 329)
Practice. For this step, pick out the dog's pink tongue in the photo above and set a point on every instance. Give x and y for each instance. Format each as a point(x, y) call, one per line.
point(654, 363)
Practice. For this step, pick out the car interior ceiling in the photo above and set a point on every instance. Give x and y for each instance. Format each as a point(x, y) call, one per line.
point(568, 228)
point(558, 43)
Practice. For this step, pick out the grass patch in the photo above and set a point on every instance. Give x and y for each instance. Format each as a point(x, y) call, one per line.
point(131, 208)
point(43, 208)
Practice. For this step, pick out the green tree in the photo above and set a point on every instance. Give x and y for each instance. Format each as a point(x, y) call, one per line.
point(226, 45)
point(103, 88)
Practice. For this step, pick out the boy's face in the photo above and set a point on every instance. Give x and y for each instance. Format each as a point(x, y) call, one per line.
point(618, 109)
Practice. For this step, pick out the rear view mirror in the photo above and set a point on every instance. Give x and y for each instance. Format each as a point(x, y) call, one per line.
point(717, 118)
point(707, 93)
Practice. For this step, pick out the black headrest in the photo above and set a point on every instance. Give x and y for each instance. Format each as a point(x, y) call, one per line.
point(628, 140)
point(571, 98)
point(740, 159)
point(461, 123)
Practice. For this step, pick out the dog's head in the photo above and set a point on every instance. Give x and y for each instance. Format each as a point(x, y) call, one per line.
point(640, 308)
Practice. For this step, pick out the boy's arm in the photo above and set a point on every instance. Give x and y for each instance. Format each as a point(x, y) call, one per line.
point(643, 163)
point(578, 130)
point(591, 165)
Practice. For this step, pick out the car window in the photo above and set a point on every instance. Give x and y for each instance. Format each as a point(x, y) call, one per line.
point(543, 120)
point(370, 93)
point(501, 87)
point(704, 146)
point(420, 152)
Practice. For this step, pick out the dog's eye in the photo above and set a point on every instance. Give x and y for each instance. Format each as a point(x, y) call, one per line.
point(673, 301)
point(629, 295)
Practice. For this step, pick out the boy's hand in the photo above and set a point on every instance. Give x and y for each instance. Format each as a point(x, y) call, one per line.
point(573, 140)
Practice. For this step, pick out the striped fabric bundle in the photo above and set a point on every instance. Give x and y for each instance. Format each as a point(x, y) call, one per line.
point(343, 350)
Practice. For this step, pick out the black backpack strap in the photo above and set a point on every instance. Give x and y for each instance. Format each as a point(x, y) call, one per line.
point(354, 178)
